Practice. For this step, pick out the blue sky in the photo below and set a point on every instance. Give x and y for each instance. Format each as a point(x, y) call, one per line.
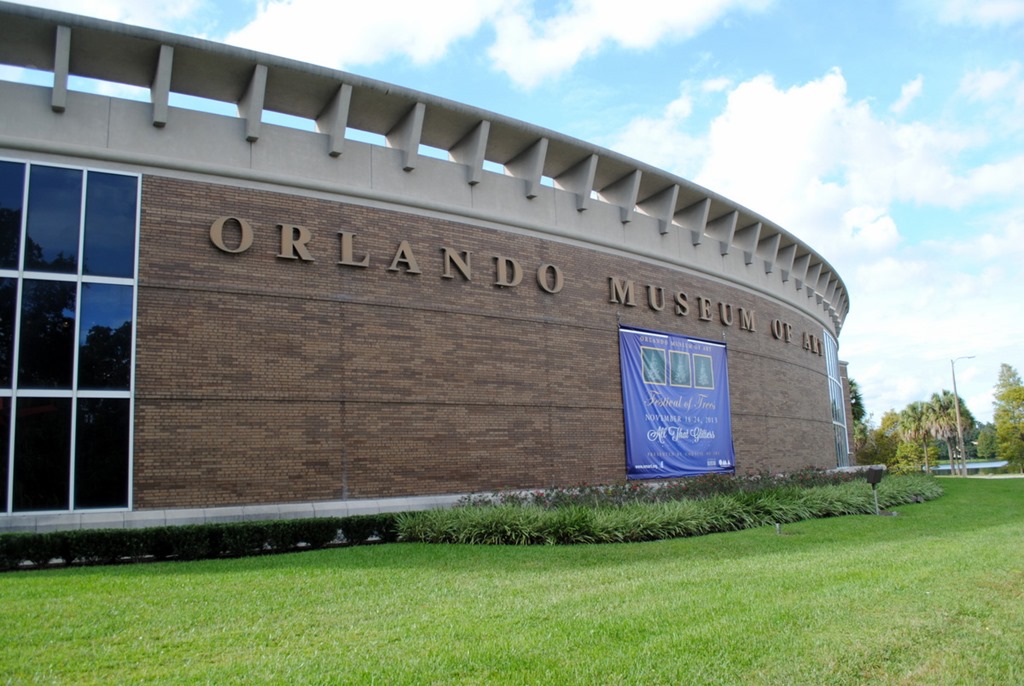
point(887, 134)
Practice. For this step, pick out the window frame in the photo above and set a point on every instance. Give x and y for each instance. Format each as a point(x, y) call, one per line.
point(79, 278)
point(837, 400)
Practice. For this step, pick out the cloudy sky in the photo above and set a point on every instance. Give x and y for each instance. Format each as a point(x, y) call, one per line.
point(888, 134)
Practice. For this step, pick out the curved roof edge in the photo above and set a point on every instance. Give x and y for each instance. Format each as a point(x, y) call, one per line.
point(72, 45)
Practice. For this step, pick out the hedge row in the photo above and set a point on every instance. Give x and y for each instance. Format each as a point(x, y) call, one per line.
point(528, 524)
point(520, 523)
point(194, 542)
point(659, 491)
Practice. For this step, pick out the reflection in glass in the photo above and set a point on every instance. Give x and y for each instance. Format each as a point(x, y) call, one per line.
point(110, 201)
point(5, 436)
point(101, 456)
point(78, 227)
point(105, 337)
point(47, 334)
point(8, 298)
point(12, 184)
point(42, 454)
point(54, 208)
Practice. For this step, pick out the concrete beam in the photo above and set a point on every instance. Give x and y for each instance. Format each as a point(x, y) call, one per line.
point(662, 206)
point(787, 256)
point(694, 219)
point(723, 229)
point(333, 120)
point(768, 250)
point(746, 239)
point(529, 166)
point(470, 151)
point(406, 134)
point(800, 266)
point(61, 67)
point(811, 280)
point(250, 107)
point(160, 89)
point(579, 179)
point(623, 193)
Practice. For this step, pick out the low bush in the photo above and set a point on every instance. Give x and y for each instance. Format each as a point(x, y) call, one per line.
point(691, 488)
point(188, 542)
point(534, 520)
point(588, 514)
point(359, 529)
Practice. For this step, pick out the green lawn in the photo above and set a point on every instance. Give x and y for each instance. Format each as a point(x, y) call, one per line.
point(933, 596)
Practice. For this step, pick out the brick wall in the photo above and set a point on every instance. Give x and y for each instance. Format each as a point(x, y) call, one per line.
point(262, 379)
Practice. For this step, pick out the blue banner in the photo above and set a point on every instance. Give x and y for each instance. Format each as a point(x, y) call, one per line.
point(675, 398)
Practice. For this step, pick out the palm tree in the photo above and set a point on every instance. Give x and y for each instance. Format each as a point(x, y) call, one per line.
point(914, 427)
point(941, 414)
point(941, 422)
point(857, 408)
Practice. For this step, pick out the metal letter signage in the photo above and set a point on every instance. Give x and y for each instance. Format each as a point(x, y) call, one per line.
point(675, 398)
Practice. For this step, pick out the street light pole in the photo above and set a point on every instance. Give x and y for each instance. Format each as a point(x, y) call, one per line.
point(959, 426)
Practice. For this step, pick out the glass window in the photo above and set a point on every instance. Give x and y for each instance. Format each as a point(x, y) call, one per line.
point(105, 337)
point(54, 214)
point(71, 449)
point(8, 302)
point(837, 398)
point(46, 351)
point(42, 454)
point(101, 452)
point(12, 185)
point(110, 201)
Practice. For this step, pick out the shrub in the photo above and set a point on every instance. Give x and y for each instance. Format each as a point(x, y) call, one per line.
point(244, 538)
point(521, 521)
point(102, 546)
point(291, 533)
point(691, 488)
point(587, 514)
point(358, 529)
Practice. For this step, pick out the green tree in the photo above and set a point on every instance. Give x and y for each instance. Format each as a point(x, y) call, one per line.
point(914, 427)
point(881, 443)
point(860, 430)
point(1009, 416)
point(910, 457)
point(857, 402)
point(942, 424)
point(988, 446)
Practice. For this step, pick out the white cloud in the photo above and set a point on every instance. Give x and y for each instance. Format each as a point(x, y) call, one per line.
point(989, 84)
point(533, 40)
point(529, 50)
point(871, 226)
point(157, 14)
point(817, 162)
point(716, 85)
point(663, 141)
point(999, 96)
point(338, 34)
point(836, 173)
point(1004, 239)
point(981, 12)
point(908, 94)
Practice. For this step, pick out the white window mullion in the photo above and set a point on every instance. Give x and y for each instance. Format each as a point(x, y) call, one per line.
point(16, 340)
point(135, 328)
point(74, 383)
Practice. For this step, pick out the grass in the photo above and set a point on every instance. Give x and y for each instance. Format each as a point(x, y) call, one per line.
point(933, 596)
